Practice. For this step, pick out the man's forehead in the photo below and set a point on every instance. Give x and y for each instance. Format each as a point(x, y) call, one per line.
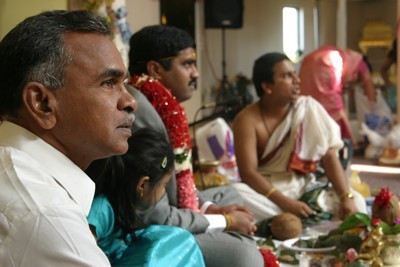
point(283, 66)
point(188, 55)
point(184, 54)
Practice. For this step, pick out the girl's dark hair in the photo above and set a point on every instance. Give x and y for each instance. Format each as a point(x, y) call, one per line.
point(149, 154)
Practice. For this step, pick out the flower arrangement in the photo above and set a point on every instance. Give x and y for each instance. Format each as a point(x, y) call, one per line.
point(360, 240)
point(383, 198)
point(371, 251)
point(380, 240)
point(386, 207)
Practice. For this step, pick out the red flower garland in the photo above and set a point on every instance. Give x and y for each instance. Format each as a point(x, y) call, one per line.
point(174, 118)
point(270, 259)
point(383, 198)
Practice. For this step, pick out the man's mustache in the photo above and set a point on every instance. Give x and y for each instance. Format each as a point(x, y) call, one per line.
point(193, 83)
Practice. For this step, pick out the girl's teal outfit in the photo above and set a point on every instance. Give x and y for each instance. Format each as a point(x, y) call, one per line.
point(155, 246)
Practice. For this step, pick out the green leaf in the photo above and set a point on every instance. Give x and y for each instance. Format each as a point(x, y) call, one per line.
point(390, 230)
point(288, 256)
point(357, 264)
point(354, 220)
point(385, 228)
point(266, 244)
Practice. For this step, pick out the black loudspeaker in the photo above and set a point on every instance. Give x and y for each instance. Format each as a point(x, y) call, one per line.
point(223, 14)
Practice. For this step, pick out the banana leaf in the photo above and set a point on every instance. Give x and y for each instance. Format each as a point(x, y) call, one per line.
point(355, 220)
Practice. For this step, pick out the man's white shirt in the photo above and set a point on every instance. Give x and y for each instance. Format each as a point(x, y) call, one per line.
point(44, 200)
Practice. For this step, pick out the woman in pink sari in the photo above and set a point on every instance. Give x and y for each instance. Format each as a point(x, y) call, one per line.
point(324, 73)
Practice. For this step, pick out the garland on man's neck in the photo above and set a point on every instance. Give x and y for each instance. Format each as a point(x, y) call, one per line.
point(174, 119)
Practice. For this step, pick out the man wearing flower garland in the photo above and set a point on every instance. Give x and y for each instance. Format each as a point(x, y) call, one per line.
point(162, 62)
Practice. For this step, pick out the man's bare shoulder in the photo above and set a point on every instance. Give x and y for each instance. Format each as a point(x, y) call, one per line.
point(248, 115)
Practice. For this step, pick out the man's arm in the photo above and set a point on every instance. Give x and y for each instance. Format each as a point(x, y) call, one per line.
point(165, 214)
point(336, 176)
point(245, 138)
point(245, 141)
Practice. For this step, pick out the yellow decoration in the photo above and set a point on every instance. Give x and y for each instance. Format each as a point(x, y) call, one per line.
point(376, 34)
point(361, 187)
point(208, 176)
point(371, 248)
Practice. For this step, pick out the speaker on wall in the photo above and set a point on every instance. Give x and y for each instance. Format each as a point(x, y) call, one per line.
point(223, 14)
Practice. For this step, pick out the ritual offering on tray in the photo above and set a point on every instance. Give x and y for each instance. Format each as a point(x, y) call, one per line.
point(360, 240)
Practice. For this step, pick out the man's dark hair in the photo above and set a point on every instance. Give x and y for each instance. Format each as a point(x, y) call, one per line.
point(149, 154)
point(263, 69)
point(159, 43)
point(35, 51)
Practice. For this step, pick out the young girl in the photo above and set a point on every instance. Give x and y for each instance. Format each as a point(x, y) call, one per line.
point(129, 183)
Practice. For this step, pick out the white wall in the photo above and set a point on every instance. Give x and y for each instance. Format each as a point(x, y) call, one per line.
point(13, 12)
point(142, 13)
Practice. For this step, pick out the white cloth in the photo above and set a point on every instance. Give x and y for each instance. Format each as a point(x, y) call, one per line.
point(44, 200)
point(263, 208)
point(215, 142)
point(311, 132)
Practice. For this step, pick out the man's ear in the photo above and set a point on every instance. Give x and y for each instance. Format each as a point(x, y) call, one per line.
point(266, 88)
point(154, 69)
point(40, 103)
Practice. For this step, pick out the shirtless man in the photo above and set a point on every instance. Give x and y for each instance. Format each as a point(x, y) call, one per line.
point(280, 140)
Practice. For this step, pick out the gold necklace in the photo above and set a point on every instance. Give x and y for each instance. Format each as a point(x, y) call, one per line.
point(263, 118)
